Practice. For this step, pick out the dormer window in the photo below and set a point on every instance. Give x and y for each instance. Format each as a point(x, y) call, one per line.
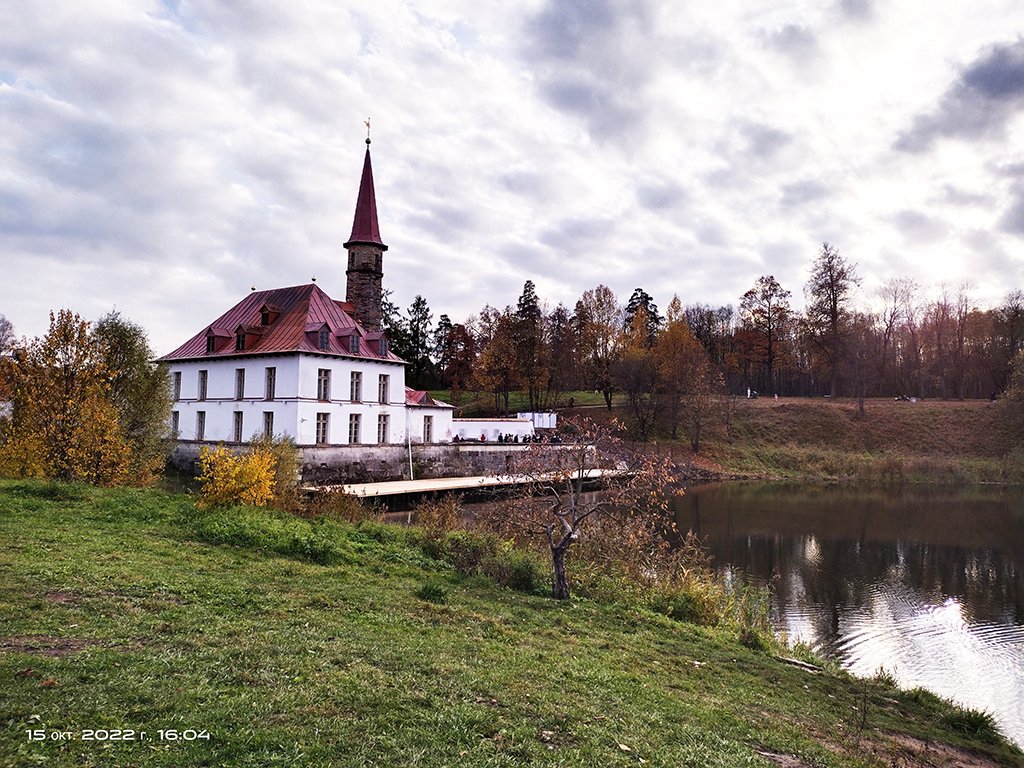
point(324, 339)
point(211, 345)
point(239, 340)
point(353, 343)
point(268, 314)
point(382, 346)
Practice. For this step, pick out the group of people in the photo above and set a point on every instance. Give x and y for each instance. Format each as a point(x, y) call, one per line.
point(510, 438)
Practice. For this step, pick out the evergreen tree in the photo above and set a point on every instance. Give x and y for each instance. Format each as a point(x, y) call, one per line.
point(419, 343)
point(641, 300)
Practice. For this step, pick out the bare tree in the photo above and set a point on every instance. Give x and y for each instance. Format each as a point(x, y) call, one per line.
point(828, 293)
point(598, 320)
point(554, 501)
point(765, 311)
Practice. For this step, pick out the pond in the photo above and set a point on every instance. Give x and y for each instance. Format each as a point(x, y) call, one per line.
point(925, 583)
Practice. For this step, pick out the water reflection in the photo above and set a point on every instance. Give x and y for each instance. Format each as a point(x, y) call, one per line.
point(928, 584)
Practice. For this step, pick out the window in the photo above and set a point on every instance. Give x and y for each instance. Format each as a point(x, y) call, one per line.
point(383, 428)
point(238, 427)
point(200, 425)
point(175, 420)
point(353, 343)
point(324, 340)
point(176, 384)
point(202, 385)
point(382, 345)
point(211, 345)
point(239, 341)
point(428, 429)
point(356, 388)
point(323, 384)
point(239, 383)
point(383, 387)
point(271, 383)
point(265, 317)
point(268, 423)
point(353, 428)
point(323, 428)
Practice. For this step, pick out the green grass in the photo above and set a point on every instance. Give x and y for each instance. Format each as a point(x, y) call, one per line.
point(299, 643)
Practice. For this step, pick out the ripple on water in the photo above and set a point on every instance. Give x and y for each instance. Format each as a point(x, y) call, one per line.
point(931, 645)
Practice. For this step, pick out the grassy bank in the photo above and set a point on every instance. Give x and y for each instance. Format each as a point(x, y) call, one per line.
point(821, 439)
point(295, 642)
point(928, 441)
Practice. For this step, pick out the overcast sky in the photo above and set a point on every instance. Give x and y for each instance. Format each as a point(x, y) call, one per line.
point(164, 157)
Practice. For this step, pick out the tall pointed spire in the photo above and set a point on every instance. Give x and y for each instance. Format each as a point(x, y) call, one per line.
point(365, 271)
point(365, 229)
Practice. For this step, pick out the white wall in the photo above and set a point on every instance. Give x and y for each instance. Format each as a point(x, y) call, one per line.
point(295, 405)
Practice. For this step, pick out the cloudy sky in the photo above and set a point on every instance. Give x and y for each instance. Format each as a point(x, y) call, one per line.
point(163, 157)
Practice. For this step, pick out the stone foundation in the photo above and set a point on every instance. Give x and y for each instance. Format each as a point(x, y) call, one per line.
point(338, 465)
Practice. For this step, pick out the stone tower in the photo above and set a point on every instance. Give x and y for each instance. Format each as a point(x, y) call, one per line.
point(365, 255)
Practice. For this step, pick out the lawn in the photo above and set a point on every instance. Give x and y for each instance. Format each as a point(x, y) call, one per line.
point(250, 638)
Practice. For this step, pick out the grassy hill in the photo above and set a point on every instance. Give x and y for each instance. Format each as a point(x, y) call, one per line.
point(927, 441)
point(249, 638)
point(825, 439)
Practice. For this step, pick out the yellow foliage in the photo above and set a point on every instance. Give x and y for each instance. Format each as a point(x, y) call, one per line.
point(63, 424)
point(226, 478)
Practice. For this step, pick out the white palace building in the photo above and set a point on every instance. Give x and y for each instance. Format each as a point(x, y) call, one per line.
point(293, 361)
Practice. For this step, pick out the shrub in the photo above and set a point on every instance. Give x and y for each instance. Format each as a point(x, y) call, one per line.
point(433, 591)
point(286, 469)
point(226, 478)
point(441, 514)
point(341, 506)
point(973, 722)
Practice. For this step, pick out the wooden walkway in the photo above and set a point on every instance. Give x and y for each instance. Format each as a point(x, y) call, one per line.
point(442, 484)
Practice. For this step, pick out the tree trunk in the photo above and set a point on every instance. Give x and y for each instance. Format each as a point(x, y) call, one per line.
point(560, 585)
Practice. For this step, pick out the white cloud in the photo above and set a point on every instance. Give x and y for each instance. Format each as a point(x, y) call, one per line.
point(165, 157)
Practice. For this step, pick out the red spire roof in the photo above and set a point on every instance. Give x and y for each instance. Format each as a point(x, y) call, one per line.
point(364, 226)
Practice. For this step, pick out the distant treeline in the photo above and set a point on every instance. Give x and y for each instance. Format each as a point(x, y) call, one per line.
point(900, 342)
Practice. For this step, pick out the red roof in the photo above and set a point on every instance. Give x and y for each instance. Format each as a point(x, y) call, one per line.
point(421, 398)
point(296, 315)
point(364, 226)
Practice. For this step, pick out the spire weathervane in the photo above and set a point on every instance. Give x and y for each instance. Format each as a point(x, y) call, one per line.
point(366, 122)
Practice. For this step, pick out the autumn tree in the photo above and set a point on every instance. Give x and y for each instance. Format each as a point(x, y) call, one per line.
point(6, 351)
point(597, 320)
point(497, 368)
point(456, 355)
point(635, 373)
point(553, 502)
point(828, 293)
point(563, 364)
point(765, 312)
point(139, 390)
point(1012, 406)
point(64, 423)
point(6, 336)
point(690, 386)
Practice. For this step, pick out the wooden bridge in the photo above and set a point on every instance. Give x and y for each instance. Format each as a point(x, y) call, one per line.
point(395, 493)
